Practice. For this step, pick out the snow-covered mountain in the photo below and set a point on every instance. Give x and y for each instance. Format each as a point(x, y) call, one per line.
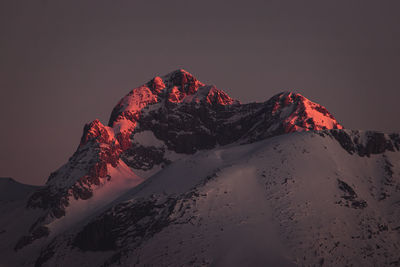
point(184, 175)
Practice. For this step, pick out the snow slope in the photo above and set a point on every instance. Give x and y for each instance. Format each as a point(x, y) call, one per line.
point(155, 124)
point(299, 199)
point(184, 175)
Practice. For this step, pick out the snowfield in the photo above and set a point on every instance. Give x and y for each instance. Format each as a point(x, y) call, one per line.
point(184, 175)
point(293, 200)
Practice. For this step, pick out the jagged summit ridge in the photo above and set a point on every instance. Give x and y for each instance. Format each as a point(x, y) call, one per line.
point(211, 171)
point(183, 80)
point(161, 121)
point(176, 87)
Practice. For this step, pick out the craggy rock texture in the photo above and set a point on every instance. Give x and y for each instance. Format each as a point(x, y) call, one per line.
point(183, 114)
point(369, 143)
point(175, 119)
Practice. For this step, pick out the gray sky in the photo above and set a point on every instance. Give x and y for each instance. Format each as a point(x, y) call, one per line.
point(66, 63)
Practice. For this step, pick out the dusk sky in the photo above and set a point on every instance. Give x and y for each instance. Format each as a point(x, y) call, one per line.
point(66, 63)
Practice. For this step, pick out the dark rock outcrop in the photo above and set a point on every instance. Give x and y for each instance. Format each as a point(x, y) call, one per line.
point(372, 142)
point(184, 116)
point(350, 196)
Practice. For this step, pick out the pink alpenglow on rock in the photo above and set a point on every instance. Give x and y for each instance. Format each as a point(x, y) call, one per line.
point(182, 116)
point(300, 114)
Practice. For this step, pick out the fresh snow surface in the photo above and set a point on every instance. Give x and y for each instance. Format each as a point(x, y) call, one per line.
point(275, 203)
point(232, 226)
point(272, 203)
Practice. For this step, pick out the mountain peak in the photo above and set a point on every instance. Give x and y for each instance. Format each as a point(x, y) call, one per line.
point(219, 186)
point(163, 120)
point(176, 87)
point(184, 81)
point(299, 113)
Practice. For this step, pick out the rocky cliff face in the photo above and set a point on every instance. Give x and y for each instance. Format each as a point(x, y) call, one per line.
point(182, 171)
point(160, 121)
